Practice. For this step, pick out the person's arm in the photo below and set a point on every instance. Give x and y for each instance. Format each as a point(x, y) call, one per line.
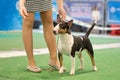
point(61, 10)
point(23, 10)
point(22, 2)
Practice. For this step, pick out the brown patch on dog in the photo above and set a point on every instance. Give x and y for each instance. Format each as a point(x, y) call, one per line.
point(63, 31)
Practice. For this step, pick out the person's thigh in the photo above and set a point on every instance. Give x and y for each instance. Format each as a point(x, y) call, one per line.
point(46, 16)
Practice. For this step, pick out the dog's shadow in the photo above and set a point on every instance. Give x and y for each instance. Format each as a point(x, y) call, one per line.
point(50, 74)
point(77, 72)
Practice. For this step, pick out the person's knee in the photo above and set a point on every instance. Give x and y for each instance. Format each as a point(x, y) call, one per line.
point(28, 21)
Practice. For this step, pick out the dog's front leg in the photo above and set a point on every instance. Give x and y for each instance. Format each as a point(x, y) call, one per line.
point(72, 72)
point(61, 70)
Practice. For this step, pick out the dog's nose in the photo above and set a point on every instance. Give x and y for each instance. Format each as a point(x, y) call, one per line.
point(54, 32)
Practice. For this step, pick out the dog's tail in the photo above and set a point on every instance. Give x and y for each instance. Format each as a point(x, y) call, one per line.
point(88, 32)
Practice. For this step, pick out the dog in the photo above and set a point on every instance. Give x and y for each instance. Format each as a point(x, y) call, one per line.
point(69, 44)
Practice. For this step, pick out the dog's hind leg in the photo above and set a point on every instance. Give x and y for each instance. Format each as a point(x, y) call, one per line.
point(81, 61)
point(91, 54)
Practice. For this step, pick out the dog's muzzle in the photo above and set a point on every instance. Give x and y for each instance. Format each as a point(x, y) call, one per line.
point(55, 30)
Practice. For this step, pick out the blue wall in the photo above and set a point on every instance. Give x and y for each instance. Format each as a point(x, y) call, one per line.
point(10, 18)
point(113, 11)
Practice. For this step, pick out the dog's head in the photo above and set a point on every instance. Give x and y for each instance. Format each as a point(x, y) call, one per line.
point(62, 27)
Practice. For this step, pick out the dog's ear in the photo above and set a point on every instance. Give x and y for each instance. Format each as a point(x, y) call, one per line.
point(70, 23)
point(58, 18)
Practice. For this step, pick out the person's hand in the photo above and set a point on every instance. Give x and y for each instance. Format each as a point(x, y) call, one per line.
point(23, 12)
point(62, 13)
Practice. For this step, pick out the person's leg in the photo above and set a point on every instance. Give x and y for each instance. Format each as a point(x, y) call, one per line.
point(49, 36)
point(28, 39)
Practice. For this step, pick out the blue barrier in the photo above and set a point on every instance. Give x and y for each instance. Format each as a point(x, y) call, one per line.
point(10, 18)
point(82, 9)
point(113, 12)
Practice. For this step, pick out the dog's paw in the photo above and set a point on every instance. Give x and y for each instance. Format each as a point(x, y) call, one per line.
point(64, 69)
point(72, 72)
point(80, 68)
point(61, 70)
point(94, 68)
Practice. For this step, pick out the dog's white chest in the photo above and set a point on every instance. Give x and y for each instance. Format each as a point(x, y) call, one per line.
point(65, 43)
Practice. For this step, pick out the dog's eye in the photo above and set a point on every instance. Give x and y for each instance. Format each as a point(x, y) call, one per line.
point(62, 26)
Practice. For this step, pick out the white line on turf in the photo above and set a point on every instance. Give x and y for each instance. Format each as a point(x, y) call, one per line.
point(15, 53)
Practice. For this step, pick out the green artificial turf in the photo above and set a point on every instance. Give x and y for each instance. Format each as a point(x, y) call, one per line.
point(11, 40)
point(107, 61)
